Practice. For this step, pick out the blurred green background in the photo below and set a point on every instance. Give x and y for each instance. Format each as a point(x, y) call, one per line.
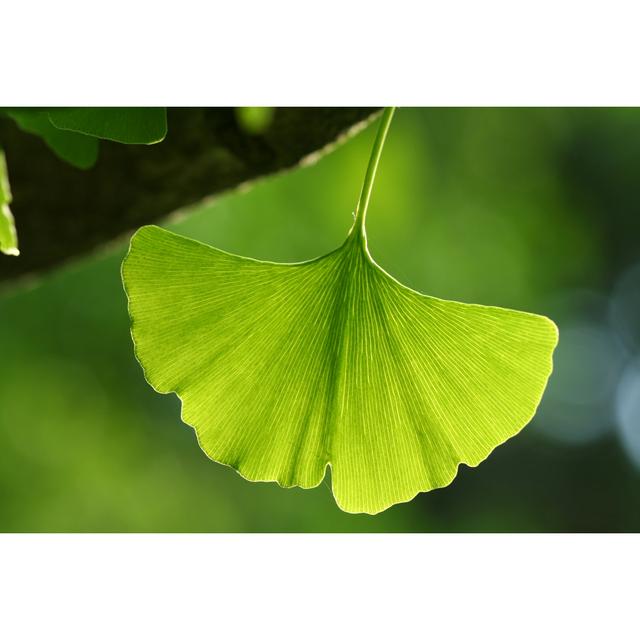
point(535, 209)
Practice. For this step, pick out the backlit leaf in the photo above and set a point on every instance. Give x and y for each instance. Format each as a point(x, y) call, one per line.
point(285, 369)
point(131, 125)
point(8, 236)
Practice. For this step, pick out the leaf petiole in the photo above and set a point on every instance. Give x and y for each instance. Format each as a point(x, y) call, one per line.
point(367, 187)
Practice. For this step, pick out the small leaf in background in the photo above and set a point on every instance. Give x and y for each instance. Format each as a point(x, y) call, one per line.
point(254, 120)
point(8, 236)
point(79, 150)
point(130, 125)
point(284, 369)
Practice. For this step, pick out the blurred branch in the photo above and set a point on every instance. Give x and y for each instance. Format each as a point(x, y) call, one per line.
point(62, 212)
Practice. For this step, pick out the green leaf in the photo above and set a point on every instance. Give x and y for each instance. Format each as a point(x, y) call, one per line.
point(79, 150)
point(285, 369)
point(131, 125)
point(8, 236)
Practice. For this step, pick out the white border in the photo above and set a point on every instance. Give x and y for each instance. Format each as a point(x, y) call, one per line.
point(280, 586)
point(286, 52)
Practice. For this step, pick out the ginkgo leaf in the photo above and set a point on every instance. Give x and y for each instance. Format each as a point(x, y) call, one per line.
point(79, 150)
point(130, 125)
point(8, 236)
point(284, 369)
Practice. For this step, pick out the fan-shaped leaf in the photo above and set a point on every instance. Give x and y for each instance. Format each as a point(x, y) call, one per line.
point(285, 369)
point(131, 125)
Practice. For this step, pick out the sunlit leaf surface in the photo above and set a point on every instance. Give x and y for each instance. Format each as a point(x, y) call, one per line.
point(285, 369)
point(8, 236)
point(131, 125)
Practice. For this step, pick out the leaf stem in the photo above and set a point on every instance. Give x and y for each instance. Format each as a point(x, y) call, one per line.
point(367, 187)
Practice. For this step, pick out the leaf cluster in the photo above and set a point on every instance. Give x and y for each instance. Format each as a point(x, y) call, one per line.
point(73, 133)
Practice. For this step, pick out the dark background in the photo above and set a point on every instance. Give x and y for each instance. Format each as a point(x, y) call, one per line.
point(535, 209)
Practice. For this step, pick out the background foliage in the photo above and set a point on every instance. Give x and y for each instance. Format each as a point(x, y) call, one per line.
point(531, 209)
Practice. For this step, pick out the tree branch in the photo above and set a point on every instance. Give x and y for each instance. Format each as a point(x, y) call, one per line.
point(62, 212)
